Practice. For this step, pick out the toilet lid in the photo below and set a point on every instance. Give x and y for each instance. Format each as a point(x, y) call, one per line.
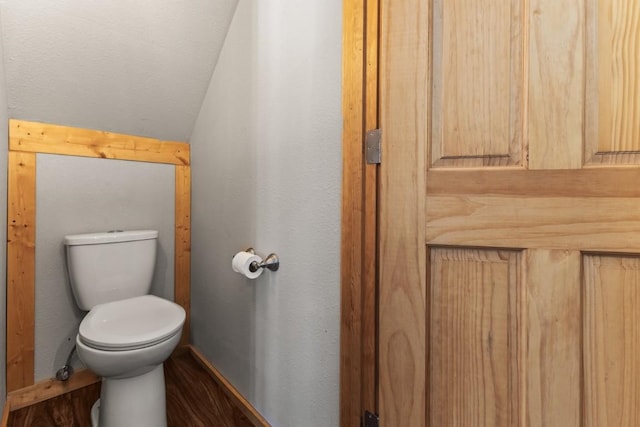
point(132, 323)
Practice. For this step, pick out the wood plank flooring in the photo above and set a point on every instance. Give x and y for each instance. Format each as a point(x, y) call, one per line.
point(193, 399)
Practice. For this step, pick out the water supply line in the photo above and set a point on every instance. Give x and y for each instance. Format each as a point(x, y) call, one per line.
point(64, 373)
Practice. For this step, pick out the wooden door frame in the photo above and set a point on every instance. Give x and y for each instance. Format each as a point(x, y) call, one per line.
point(358, 326)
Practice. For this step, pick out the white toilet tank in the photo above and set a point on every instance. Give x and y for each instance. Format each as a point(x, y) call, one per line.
point(111, 266)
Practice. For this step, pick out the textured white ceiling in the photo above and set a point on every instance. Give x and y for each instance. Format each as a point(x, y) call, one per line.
point(139, 67)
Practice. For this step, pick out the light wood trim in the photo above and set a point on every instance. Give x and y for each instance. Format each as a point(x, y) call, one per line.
point(48, 389)
point(236, 397)
point(36, 137)
point(182, 284)
point(5, 414)
point(25, 140)
point(358, 331)
point(352, 188)
point(359, 350)
point(370, 221)
point(21, 235)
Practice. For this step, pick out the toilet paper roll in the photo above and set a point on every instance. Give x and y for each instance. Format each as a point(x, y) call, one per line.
point(241, 262)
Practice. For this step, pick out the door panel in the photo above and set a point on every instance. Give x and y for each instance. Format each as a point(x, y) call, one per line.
point(473, 336)
point(616, 62)
point(612, 340)
point(477, 64)
point(510, 213)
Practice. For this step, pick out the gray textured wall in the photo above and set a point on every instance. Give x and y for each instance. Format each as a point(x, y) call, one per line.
point(266, 172)
point(83, 195)
point(138, 67)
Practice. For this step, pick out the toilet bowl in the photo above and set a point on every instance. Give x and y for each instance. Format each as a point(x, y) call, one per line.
point(126, 342)
point(127, 333)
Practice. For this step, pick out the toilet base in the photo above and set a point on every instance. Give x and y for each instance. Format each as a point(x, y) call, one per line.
point(95, 413)
point(132, 402)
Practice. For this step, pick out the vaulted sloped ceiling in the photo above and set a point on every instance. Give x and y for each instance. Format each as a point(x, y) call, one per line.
point(140, 67)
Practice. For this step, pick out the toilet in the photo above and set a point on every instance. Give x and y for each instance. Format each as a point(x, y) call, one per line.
point(127, 334)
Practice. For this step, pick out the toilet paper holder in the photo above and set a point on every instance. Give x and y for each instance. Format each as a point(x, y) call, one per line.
point(271, 262)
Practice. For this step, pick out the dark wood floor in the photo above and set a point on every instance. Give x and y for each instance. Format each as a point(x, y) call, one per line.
point(193, 399)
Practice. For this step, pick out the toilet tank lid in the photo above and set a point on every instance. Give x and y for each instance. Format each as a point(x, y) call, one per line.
point(115, 236)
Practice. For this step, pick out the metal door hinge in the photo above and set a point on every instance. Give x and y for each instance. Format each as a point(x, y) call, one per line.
point(373, 147)
point(370, 419)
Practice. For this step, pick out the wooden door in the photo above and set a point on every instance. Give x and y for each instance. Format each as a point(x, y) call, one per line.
point(510, 213)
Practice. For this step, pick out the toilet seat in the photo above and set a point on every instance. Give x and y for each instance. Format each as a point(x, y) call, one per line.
point(131, 323)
